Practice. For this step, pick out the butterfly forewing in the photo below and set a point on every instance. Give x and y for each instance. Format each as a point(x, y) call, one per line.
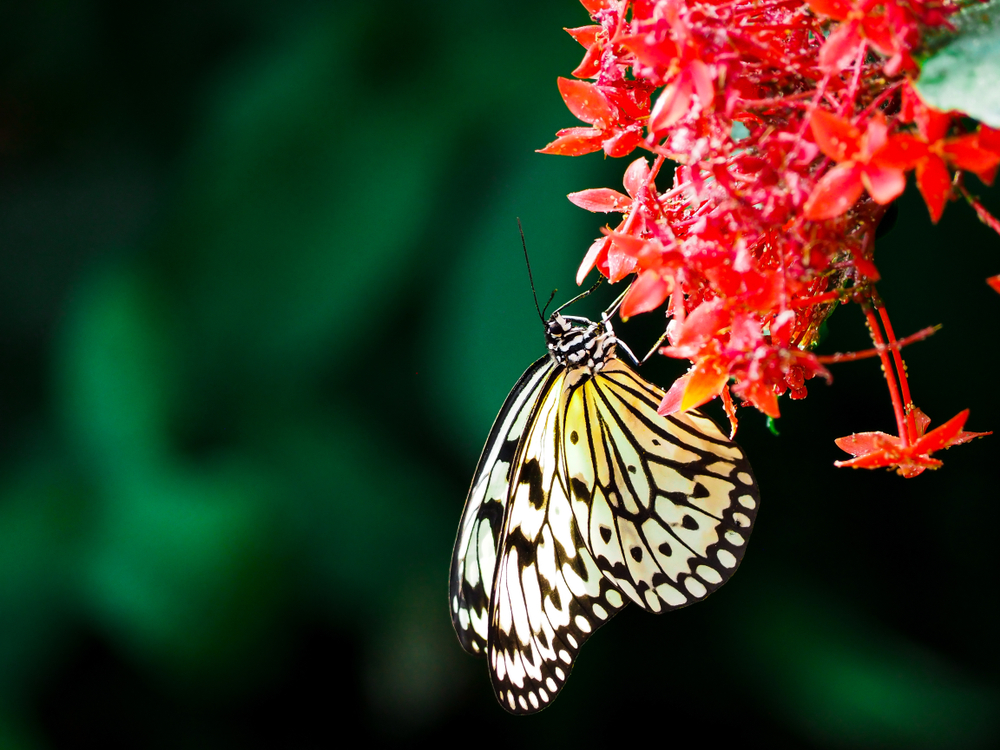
point(666, 504)
point(473, 560)
point(548, 594)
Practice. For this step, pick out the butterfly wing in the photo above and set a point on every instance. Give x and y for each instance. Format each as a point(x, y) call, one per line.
point(548, 593)
point(665, 504)
point(474, 556)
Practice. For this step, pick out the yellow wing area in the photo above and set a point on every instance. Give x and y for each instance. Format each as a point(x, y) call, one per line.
point(665, 504)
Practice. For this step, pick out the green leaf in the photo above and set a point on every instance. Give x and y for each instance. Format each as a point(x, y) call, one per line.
point(964, 74)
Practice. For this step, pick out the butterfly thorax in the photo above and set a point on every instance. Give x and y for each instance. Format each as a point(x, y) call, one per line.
point(579, 343)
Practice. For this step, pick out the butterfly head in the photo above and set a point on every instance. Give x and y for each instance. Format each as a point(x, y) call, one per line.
point(579, 343)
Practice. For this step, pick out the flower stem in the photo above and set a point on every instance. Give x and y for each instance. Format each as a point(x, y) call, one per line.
point(904, 383)
point(832, 359)
point(890, 375)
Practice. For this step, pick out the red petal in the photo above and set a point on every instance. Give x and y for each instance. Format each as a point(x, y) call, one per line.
point(671, 402)
point(901, 151)
point(707, 379)
point(841, 47)
point(934, 182)
point(764, 398)
point(647, 293)
point(921, 421)
point(882, 183)
point(964, 437)
point(994, 282)
point(879, 32)
point(989, 138)
point(622, 144)
point(867, 269)
point(932, 124)
point(966, 152)
point(703, 83)
point(575, 142)
point(590, 65)
point(673, 103)
point(835, 136)
point(836, 9)
point(620, 263)
point(634, 246)
point(881, 459)
point(987, 176)
point(585, 35)
point(835, 193)
point(603, 200)
point(730, 408)
point(876, 135)
point(703, 323)
point(861, 443)
point(940, 437)
point(655, 53)
point(597, 253)
point(635, 175)
point(587, 102)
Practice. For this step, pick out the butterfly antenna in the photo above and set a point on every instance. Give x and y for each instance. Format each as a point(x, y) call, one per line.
point(551, 297)
point(531, 280)
point(581, 295)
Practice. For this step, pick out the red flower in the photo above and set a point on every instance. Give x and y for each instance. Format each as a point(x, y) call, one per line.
point(887, 26)
point(932, 153)
point(859, 166)
point(615, 254)
point(874, 450)
point(779, 121)
point(591, 38)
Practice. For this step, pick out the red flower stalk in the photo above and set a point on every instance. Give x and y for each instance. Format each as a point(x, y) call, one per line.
point(790, 138)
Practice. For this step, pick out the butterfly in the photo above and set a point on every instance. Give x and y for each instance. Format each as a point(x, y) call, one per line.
point(585, 499)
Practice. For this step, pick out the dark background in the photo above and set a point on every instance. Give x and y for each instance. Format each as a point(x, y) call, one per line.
point(261, 297)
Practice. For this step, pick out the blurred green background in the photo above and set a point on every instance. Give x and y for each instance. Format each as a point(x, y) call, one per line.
point(262, 295)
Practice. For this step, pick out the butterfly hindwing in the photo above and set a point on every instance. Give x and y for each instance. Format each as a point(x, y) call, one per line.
point(666, 504)
point(474, 557)
point(548, 594)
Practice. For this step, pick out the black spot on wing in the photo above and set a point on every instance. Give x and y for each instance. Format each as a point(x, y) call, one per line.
point(531, 474)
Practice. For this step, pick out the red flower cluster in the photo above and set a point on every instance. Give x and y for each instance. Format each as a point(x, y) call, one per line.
point(793, 125)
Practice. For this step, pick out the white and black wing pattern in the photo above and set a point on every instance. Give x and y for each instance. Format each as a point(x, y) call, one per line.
point(585, 498)
point(665, 504)
point(475, 552)
point(548, 593)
